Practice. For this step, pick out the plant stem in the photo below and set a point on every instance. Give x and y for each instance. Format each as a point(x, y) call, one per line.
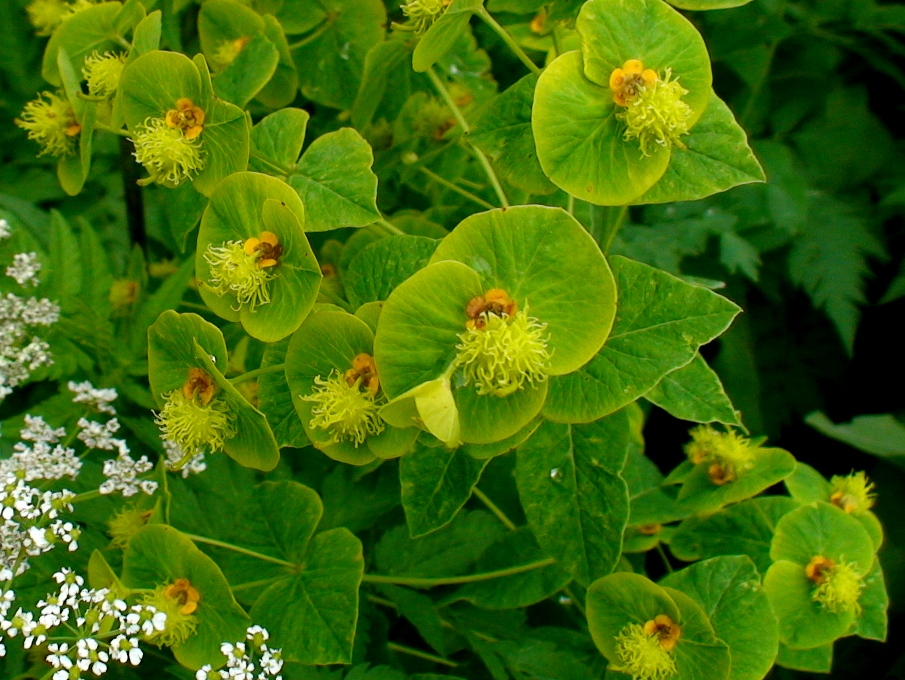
point(111, 130)
point(500, 515)
point(195, 306)
point(274, 165)
point(454, 187)
point(571, 596)
point(664, 557)
point(240, 549)
point(460, 119)
point(311, 37)
point(421, 655)
point(135, 210)
point(419, 582)
point(391, 228)
point(382, 602)
point(336, 300)
point(570, 205)
point(605, 224)
point(86, 496)
point(509, 40)
point(251, 375)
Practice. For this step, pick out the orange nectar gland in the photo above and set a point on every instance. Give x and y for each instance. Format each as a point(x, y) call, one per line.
point(646, 651)
point(187, 117)
point(626, 82)
point(244, 269)
point(346, 404)
point(185, 594)
point(726, 454)
point(838, 584)
point(179, 601)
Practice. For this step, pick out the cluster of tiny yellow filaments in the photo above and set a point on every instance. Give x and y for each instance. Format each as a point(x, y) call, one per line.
point(102, 73)
point(853, 493)
point(838, 584)
point(244, 269)
point(727, 454)
point(421, 14)
point(125, 524)
point(501, 348)
point(195, 417)
point(179, 601)
point(227, 51)
point(646, 651)
point(167, 154)
point(654, 112)
point(346, 404)
point(47, 15)
point(50, 121)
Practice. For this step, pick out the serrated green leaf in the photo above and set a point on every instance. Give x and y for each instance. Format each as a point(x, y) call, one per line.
point(694, 393)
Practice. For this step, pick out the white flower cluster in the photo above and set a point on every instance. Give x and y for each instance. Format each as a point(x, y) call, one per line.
point(98, 627)
point(100, 400)
point(175, 453)
point(21, 352)
point(24, 269)
point(5, 230)
point(44, 458)
point(248, 660)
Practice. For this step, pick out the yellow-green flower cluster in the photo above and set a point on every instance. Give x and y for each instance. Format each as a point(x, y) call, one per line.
point(656, 114)
point(50, 121)
point(422, 13)
point(838, 584)
point(642, 655)
point(727, 453)
point(853, 493)
point(195, 423)
point(347, 410)
point(102, 73)
point(179, 601)
point(47, 15)
point(169, 156)
point(233, 271)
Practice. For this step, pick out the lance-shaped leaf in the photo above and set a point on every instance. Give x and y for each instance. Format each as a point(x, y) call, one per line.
point(728, 590)
point(436, 482)
point(443, 33)
point(694, 392)
point(576, 502)
point(661, 321)
point(158, 555)
point(244, 206)
point(180, 342)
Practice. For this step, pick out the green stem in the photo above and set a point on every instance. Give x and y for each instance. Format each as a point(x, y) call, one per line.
point(418, 582)
point(460, 119)
point(509, 40)
point(571, 596)
point(570, 204)
point(605, 224)
point(195, 306)
point(274, 165)
point(251, 375)
point(500, 515)
point(311, 37)
point(421, 655)
point(111, 130)
point(336, 300)
point(453, 187)
point(391, 228)
point(664, 557)
point(241, 550)
point(382, 602)
point(86, 496)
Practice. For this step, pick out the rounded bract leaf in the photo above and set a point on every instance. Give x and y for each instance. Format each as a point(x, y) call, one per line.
point(243, 207)
point(822, 529)
point(549, 264)
point(416, 351)
point(326, 345)
point(89, 30)
point(579, 139)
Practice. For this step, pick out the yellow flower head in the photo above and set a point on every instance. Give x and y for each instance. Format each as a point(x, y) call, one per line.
point(727, 454)
point(102, 72)
point(228, 50)
point(852, 493)
point(169, 155)
point(50, 121)
point(838, 584)
point(245, 268)
point(646, 652)
point(654, 112)
point(421, 14)
point(346, 404)
point(47, 15)
point(501, 347)
point(195, 417)
point(125, 524)
point(179, 600)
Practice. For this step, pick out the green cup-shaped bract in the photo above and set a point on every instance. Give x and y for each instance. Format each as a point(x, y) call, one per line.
point(180, 342)
point(579, 140)
point(244, 205)
point(817, 529)
point(327, 342)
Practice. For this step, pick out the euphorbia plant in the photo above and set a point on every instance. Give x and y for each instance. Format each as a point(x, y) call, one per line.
point(420, 309)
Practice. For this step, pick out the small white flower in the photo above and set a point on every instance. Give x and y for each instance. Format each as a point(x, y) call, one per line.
point(5, 229)
point(24, 269)
point(98, 399)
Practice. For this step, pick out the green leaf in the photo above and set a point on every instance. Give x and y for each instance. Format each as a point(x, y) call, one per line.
point(380, 267)
point(283, 86)
point(444, 33)
point(573, 496)
point(319, 627)
point(146, 36)
point(336, 183)
point(716, 158)
point(244, 205)
point(384, 67)
point(548, 263)
point(816, 660)
point(728, 590)
point(694, 392)
point(699, 494)
point(252, 69)
point(331, 58)
point(279, 136)
point(743, 529)
point(615, 601)
point(275, 399)
point(436, 483)
point(698, 5)
point(158, 555)
point(90, 29)
point(881, 434)
point(518, 590)
point(661, 321)
point(872, 622)
point(829, 260)
point(503, 132)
